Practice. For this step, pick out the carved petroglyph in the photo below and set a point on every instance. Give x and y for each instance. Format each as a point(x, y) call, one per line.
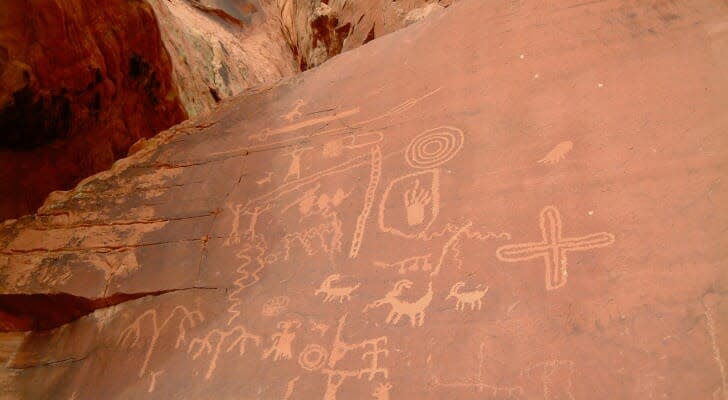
point(481, 385)
point(238, 210)
point(276, 305)
point(336, 147)
point(422, 204)
point(213, 342)
point(557, 153)
point(434, 147)
point(295, 112)
point(710, 322)
point(472, 298)
point(375, 174)
point(266, 179)
point(334, 381)
point(267, 133)
point(153, 380)
point(290, 387)
point(553, 248)
point(132, 334)
point(282, 341)
point(555, 377)
point(340, 293)
point(381, 392)
point(415, 201)
point(253, 259)
point(319, 327)
point(415, 311)
point(324, 237)
point(294, 168)
point(313, 357)
point(410, 264)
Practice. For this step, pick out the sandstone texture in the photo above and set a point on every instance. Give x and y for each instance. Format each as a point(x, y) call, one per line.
point(80, 83)
point(506, 200)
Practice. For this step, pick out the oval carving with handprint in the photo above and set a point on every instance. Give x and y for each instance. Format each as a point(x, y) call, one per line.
point(410, 204)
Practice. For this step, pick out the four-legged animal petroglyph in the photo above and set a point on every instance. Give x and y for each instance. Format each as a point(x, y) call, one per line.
point(415, 311)
point(212, 346)
point(553, 248)
point(472, 298)
point(295, 112)
point(340, 293)
point(557, 153)
point(281, 347)
point(131, 335)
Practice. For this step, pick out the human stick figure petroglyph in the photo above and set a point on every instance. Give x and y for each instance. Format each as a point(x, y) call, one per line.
point(205, 344)
point(317, 358)
point(238, 210)
point(473, 298)
point(340, 293)
point(553, 248)
point(282, 341)
point(131, 335)
point(295, 112)
point(415, 311)
point(557, 153)
point(294, 168)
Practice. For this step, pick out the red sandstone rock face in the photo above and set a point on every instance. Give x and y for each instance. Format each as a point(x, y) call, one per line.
point(526, 208)
point(79, 85)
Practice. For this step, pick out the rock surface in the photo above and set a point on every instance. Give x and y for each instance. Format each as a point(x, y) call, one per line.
point(78, 86)
point(508, 200)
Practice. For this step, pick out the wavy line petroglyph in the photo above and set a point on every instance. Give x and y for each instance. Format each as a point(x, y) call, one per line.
point(557, 153)
point(472, 298)
point(332, 293)
point(207, 345)
point(421, 212)
point(133, 332)
point(553, 247)
point(374, 177)
point(415, 311)
point(282, 341)
point(253, 251)
point(275, 305)
point(434, 147)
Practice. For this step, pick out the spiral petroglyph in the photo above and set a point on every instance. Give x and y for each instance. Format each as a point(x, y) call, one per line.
point(434, 147)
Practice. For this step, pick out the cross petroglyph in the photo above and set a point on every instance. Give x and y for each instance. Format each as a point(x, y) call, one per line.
point(553, 247)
